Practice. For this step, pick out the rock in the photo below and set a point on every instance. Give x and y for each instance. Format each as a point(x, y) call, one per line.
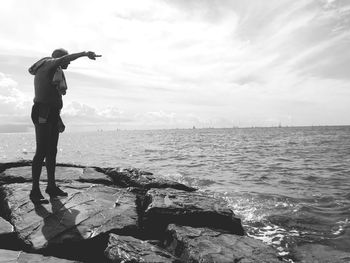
point(129, 249)
point(138, 178)
point(320, 254)
point(4, 166)
point(205, 245)
point(15, 175)
point(165, 206)
point(8, 237)
point(63, 174)
point(24, 174)
point(20, 173)
point(99, 222)
point(88, 211)
point(5, 227)
point(90, 175)
point(7, 256)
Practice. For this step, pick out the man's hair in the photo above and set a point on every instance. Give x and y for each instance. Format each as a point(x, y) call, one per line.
point(60, 52)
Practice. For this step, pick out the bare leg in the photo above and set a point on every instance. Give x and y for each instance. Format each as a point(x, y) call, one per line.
point(51, 157)
point(52, 188)
point(42, 136)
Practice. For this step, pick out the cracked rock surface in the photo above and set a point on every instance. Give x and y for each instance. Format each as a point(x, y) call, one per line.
point(137, 178)
point(10, 256)
point(89, 210)
point(129, 249)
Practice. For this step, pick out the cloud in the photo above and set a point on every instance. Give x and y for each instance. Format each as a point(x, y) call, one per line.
point(166, 119)
point(82, 114)
point(12, 100)
point(6, 82)
point(77, 115)
point(14, 106)
point(221, 61)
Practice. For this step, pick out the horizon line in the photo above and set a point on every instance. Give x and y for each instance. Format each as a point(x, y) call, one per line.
point(194, 128)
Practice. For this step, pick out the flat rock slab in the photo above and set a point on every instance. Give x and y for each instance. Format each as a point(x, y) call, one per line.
point(10, 256)
point(205, 245)
point(129, 249)
point(131, 177)
point(88, 211)
point(63, 174)
point(165, 206)
point(321, 254)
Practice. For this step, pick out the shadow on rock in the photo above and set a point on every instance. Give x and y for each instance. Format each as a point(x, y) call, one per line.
point(60, 217)
point(64, 239)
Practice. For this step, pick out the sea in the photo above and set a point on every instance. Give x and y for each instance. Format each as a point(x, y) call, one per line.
point(289, 185)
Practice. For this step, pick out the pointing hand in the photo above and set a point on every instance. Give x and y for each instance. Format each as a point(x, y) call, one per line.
point(92, 55)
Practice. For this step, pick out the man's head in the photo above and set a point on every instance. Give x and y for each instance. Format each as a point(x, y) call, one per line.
point(60, 52)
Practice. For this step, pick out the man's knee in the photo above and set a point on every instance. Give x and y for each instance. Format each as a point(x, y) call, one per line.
point(51, 153)
point(39, 156)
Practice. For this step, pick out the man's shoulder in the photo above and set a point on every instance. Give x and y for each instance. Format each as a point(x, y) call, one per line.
point(48, 63)
point(44, 64)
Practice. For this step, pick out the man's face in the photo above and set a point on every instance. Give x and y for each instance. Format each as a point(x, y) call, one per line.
point(65, 66)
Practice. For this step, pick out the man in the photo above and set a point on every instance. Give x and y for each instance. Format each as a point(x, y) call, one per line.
point(49, 85)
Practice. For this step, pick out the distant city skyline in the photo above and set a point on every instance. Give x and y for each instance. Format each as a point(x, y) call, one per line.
point(182, 63)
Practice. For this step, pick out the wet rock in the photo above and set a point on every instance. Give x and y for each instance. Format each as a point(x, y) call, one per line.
point(321, 254)
point(137, 178)
point(129, 249)
point(7, 256)
point(205, 245)
point(88, 211)
point(165, 206)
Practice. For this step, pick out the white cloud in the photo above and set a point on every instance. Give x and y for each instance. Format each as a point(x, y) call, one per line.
point(6, 81)
point(14, 106)
point(12, 100)
point(77, 115)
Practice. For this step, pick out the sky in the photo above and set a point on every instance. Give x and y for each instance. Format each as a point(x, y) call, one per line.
point(181, 63)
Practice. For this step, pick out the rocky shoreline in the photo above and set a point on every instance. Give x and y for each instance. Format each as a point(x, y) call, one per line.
point(118, 215)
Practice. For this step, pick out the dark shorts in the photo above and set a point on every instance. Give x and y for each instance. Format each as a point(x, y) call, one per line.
point(46, 133)
point(44, 111)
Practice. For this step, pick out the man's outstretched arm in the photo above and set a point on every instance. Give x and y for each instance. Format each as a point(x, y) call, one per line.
point(70, 57)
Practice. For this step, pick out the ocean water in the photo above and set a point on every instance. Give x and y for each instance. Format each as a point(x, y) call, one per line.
point(289, 185)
